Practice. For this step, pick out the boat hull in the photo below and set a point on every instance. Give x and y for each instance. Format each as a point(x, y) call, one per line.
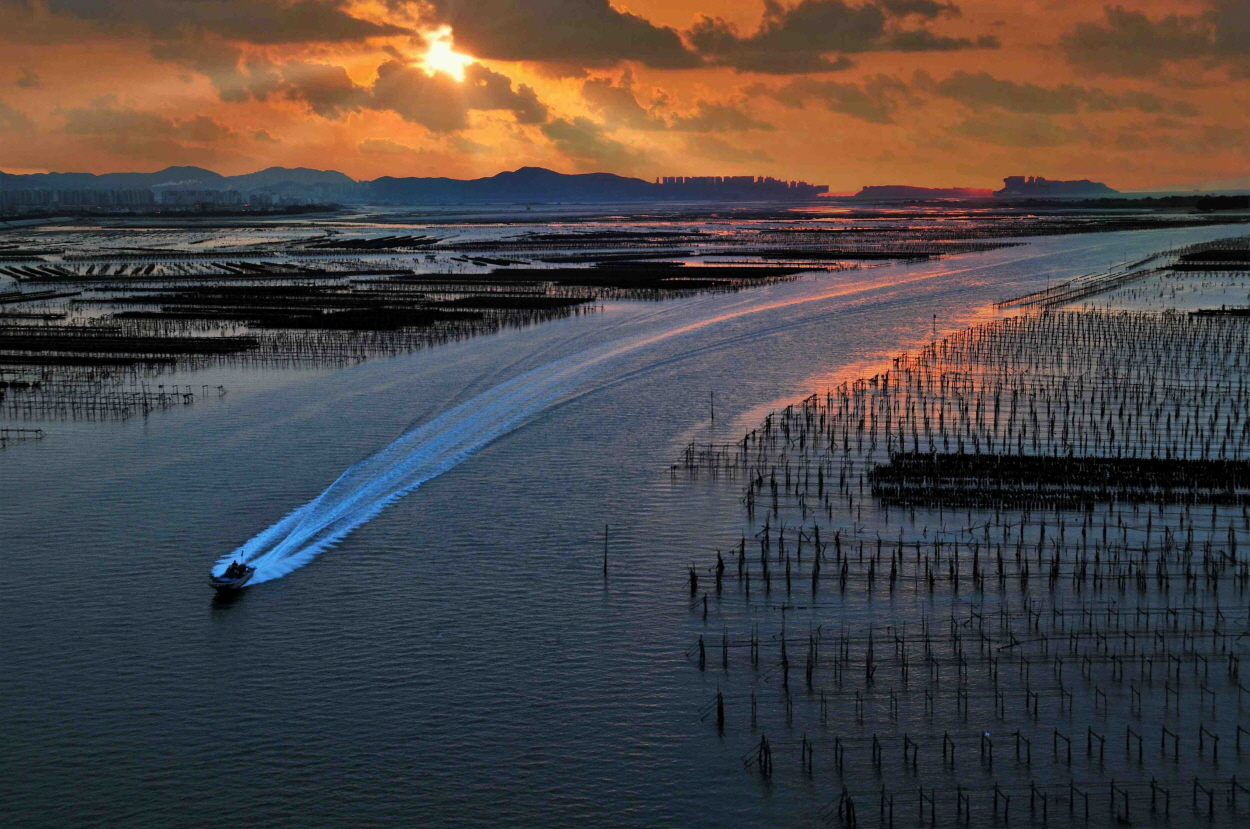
point(224, 584)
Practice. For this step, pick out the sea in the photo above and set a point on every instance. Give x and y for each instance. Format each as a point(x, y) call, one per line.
point(471, 606)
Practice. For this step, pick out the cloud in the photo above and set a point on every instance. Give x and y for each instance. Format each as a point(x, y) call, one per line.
point(105, 116)
point(28, 80)
point(442, 104)
point(927, 9)
point(13, 120)
point(578, 32)
point(617, 105)
point(1206, 140)
point(1131, 43)
point(1231, 21)
point(438, 102)
point(263, 137)
point(874, 101)
point(222, 63)
point(463, 145)
point(385, 146)
point(326, 88)
point(251, 21)
point(798, 39)
point(923, 40)
point(583, 140)
point(980, 89)
point(717, 117)
point(201, 129)
point(126, 131)
point(717, 149)
point(1025, 131)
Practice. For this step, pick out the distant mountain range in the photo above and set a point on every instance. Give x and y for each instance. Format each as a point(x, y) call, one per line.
point(176, 177)
point(528, 184)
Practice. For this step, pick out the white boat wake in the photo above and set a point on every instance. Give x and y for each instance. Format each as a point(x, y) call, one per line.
point(430, 449)
point(418, 455)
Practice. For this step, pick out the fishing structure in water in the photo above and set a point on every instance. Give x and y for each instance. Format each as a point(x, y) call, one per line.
point(1006, 578)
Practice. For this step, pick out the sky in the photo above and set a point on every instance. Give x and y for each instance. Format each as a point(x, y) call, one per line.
point(1144, 94)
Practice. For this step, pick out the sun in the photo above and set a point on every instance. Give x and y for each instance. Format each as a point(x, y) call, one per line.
point(440, 57)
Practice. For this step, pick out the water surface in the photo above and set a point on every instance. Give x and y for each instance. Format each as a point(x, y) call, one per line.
point(459, 659)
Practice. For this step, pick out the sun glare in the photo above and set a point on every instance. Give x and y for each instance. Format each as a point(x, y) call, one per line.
point(440, 57)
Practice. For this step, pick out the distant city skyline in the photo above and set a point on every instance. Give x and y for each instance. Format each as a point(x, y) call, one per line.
point(1147, 94)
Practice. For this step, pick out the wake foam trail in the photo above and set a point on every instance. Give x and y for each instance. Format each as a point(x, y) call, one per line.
point(443, 443)
point(418, 455)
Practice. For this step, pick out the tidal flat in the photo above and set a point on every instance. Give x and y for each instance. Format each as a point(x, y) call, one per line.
point(445, 634)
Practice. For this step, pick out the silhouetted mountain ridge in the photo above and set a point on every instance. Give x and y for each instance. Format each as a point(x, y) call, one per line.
point(527, 184)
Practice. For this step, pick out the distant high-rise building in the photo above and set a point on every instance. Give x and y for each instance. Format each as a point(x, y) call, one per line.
point(28, 199)
point(740, 186)
point(201, 199)
point(105, 199)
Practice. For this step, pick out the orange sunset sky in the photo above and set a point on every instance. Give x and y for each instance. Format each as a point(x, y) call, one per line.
point(1144, 94)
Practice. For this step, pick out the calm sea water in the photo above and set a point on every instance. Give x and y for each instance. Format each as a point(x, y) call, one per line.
point(459, 659)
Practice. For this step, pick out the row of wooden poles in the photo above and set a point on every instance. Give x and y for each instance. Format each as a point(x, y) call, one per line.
point(1077, 603)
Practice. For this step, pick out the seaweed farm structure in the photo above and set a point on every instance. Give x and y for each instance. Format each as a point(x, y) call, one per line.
point(95, 319)
point(92, 317)
point(1032, 534)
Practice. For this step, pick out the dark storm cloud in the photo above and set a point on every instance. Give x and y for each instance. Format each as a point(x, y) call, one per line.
point(1129, 42)
point(252, 21)
point(577, 32)
point(28, 79)
point(873, 101)
point(799, 39)
point(980, 89)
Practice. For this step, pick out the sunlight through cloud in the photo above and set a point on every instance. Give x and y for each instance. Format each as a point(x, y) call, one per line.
point(441, 57)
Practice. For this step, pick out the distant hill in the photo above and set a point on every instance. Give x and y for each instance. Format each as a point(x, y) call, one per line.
point(525, 184)
point(901, 192)
point(1037, 187)
point(528, 184)
point(183, 177)
point(536, 184)
point(303, 176)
